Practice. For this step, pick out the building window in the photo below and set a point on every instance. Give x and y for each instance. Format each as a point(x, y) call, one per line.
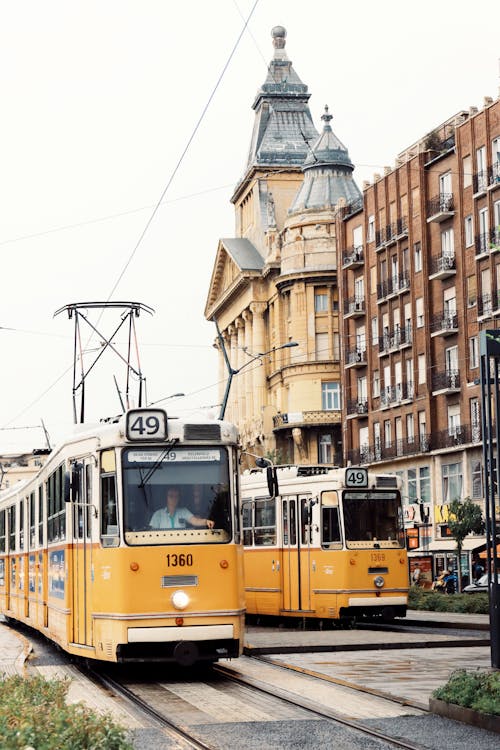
point(330, 396)
point(424, 476)
point(375, 331)
point(320, 302)
point(421, 369)
point(469, 231)
point(410, 428)
point(473, 352)
point(447, 243)
point(322, 351)
point(420, 311)
point(418, 256)
point(452, 482)
point(467, 171)
point(371, 228)
point(476, 472)
point(325, 449)
point(376, 384)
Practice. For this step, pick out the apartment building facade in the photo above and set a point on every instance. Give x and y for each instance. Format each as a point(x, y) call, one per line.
point(419, 279)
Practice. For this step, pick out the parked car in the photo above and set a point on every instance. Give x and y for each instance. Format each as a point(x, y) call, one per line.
point(479, 586)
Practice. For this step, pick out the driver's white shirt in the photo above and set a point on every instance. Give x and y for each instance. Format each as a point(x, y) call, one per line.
point(161, 519)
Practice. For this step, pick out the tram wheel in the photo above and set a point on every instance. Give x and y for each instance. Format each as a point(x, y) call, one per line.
point(347, 623)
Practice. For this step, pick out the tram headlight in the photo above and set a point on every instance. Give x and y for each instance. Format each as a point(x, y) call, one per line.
point(378, 581)
point(180, 599)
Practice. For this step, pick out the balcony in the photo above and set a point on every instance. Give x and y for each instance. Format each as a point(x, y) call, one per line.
point(394, 340)
point(354, 257)
point(488, 305)
point(494, 175)
point(442, 267)
point(393, 286)
point(354, 307)
point(357, 408)
point(444, 324)
point(446, 382)
point(409, 446)
point(440, 208)
point(479, 183)
point(306, 418)
point(486, 243)
point(355, 357)
point(391, 233)
point(394, 395)
point(454, 436)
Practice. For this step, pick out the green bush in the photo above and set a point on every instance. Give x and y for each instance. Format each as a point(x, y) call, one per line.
point(477, 690)
point(33, 713)
point(437, 602)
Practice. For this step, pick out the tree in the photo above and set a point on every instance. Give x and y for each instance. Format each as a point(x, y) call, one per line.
point(465, 517)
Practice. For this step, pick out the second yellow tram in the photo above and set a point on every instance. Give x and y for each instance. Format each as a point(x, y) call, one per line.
point(329, 545)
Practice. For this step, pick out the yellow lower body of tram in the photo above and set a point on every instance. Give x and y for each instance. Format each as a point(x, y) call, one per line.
point(117, 604)
point(327, 584)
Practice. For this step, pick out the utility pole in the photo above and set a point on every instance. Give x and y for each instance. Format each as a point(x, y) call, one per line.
point(489, 349)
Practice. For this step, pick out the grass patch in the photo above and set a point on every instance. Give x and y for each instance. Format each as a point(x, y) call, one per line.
point(436, 602)
point(33, 713)
point(477, 690)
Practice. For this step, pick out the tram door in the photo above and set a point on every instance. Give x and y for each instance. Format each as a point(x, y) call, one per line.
point(295, 565)
point(81, 553)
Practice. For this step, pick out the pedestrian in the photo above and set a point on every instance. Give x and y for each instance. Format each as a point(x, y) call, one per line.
point(415, 576)
point(477, 569)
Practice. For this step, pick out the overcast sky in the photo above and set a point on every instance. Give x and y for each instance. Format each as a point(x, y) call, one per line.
point(99, 100)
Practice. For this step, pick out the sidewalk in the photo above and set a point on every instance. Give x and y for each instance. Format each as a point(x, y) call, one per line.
point(14, 650)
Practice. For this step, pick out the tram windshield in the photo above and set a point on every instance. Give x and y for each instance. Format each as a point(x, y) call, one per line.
point(373, 520)
point(177, 496)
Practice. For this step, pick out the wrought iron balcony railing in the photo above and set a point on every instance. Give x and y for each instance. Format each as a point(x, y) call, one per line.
point(355, 356)
point(358, 407)
point(444, 323)
point(353, 257)
point(480, 181)
point(440, 204)
point(443, 265)
point(394, 285)
point(449, 380)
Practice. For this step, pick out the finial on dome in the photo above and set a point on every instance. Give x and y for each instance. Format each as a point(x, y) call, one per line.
point(327, 116)
point(278, 34)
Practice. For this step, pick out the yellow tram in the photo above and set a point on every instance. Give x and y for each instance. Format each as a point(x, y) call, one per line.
point(83, 561)
point(324, 542)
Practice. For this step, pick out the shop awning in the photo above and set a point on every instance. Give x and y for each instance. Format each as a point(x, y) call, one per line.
point(449, 545)
point(482, 554)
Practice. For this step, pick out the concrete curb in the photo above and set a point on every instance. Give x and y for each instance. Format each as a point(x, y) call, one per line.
point(465, 715)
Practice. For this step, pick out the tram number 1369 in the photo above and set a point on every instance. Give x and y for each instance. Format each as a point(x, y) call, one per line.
point(356, 478)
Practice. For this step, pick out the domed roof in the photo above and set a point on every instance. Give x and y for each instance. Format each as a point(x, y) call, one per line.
point(327, 173)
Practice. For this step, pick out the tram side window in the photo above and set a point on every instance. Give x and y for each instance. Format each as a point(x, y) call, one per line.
point(331, 537)
point(265, 522)
point(56, 516)
point(32, 521)
point(11, 517)
point(40, 516)
point(21, 524)
point(109, 511)
point(247, 525)
point(2, 531)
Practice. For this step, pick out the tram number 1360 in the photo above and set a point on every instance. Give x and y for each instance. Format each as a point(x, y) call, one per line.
point(356, 478)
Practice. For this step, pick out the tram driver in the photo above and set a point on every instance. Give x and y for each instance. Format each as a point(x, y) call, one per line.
point(173, 517)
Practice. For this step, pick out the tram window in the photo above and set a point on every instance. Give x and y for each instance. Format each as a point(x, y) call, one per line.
point(56, 517)
point(109, 513)
point(330, 526)
point(247, 525)
point(32, 507)
point(40, 516)
point(2, 531)
point(265, 522)
point(372, 517)
point(88, 499)
point(21, 524)
point(11, 517)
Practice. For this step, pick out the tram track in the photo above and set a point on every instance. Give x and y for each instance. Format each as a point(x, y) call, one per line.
point(225, 676)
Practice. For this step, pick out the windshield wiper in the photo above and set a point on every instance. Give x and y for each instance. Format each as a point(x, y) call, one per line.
point(157, 463)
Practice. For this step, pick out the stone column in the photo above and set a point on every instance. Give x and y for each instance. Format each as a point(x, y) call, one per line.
point(232, 353)
point(239, 380)
point(258, 345)
point(248, 375)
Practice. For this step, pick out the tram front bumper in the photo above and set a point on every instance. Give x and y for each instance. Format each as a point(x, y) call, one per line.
point(187, 633)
